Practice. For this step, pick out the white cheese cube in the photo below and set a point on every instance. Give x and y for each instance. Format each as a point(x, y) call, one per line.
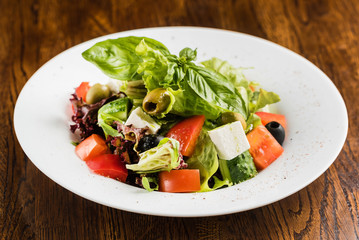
point(230, 140)
point(114, 85)
point(139, 119)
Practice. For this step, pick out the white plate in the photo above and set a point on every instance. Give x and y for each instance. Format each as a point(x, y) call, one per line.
point(315, 111)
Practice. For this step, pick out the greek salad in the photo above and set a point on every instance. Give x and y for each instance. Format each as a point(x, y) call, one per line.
point(165, 122)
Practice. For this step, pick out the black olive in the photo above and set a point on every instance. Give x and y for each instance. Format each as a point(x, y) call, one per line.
point(148, 141)
point(277, 131)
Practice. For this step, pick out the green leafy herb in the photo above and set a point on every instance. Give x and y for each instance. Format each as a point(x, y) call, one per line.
point(188, 103)
point(118, 59)
point(187, 55)
point(215, 89)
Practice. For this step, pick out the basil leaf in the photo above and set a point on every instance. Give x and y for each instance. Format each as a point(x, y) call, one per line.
point(188, 103)
point(215, 89)
point(117, 58)
point(187, 55)
point(233, 74)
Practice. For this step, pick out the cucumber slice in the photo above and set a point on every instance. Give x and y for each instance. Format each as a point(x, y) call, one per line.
point(238, 169)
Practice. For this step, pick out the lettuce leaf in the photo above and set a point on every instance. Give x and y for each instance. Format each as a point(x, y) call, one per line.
point(164, 157)
point(235, 75)
point(157, 70)
point(85, 115)
point(262, 99)
point(253, 100)
point(205, 159)
point(146, 183)
point(253, 121)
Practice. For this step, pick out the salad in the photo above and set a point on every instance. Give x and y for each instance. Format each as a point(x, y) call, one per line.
point(167, 123)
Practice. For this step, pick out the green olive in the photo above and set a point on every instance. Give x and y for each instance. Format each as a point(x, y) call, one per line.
point(97, 92)
point(228, 117)
point(158, 102)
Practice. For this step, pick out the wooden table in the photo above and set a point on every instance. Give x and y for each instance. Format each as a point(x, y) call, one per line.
point(32, 32)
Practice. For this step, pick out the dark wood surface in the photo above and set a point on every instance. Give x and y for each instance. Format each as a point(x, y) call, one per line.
point(33, 31)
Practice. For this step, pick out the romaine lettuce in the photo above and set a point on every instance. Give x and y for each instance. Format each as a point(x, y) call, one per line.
point(262, 99)
point(205, 159)
point(253, 101)
point(252, 122)
point(157, 70)
point(235, 75)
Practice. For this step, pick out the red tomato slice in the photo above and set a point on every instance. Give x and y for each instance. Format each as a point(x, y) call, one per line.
point(267, 117)
point(263, 147)
point(82, 90)
point(109, 165)
point(187, 132)
point(91, 147)
point(183, 180)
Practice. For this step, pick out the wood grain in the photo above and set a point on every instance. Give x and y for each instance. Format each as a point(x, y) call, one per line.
point(34, 31)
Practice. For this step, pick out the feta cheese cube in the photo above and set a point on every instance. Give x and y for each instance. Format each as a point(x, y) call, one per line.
point(230, 140)
point(139, 119)
point(114, 85)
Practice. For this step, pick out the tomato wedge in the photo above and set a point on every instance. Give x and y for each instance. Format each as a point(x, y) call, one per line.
point(109, 165)
point(91, 147)
point(82, 90)
point(267, 117)
point(263, 147)
point(187, 132)
point(183, 180)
